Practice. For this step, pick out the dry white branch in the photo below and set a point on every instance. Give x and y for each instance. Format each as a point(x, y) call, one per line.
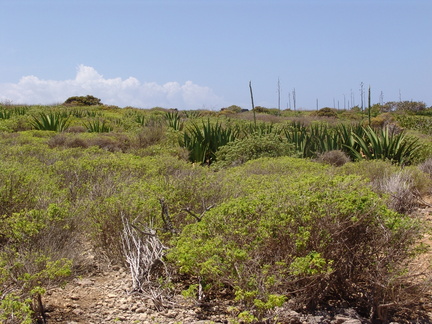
point(144, 254)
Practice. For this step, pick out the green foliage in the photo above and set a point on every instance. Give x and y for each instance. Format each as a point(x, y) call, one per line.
point(192, 114)
point(83, 101)
point(271, 229)
point(203, 142)
point(384, 145)
point(13, 308)
point(315, 139)
point(260, 129)
point(411, 106)
point(326, 112)
point(296, 133)
point(270, 111)
point(140, 119)
point(5, 114)
point(34, 244)
point(425, 112)
point(358, 142)
point(51, 121)
point(96, 126)
point(233, 108)
point(10, 111)
point(423, 124)
point(173, 120)
point(252, 147)
point(287, 233)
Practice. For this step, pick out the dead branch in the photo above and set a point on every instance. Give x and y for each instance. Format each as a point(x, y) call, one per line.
point(198, 218)
point(168, 226)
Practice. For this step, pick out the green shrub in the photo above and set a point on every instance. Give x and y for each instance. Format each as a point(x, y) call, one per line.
point(35, 247)
point(252, 147)
point(326, 112)
point(423, 124)
point(83, 101)
point(310, 237)
point(233, 108)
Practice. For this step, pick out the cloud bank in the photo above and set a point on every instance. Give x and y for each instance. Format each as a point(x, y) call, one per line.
point(119, 92)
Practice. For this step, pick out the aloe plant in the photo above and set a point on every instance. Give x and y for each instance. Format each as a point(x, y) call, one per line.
point(51, 121)
point(203, 141)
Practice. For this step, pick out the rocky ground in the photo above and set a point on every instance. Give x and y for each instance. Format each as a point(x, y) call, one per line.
point(105, 296)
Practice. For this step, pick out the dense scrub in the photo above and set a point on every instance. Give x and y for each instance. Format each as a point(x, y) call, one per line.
point(296, 232)
point(257, 221)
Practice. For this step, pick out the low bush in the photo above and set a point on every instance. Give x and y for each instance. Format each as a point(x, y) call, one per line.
point(313, 239)
point(37, 237)
point(252, 147)
point(83, 101)
point(402, 188)
point(326, 112)
point(334, 157)
point(426, 167)
point(150, 135)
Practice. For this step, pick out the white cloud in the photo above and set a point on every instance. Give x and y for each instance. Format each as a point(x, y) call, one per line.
point(116, 91)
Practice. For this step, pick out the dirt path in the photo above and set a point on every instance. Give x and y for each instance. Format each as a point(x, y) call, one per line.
point(106, 298)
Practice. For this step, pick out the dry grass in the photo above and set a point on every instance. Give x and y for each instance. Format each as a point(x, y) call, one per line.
point(400, 186)
point(426, 167)
point(335, 158)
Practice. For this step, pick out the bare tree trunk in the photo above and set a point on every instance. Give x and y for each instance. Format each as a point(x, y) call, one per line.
point(253, 106)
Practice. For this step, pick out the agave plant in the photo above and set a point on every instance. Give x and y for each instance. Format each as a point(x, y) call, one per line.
point(346, 139)
point(78, 113)
point(322, 139)
point(259, 129)
point(51, 121)
point(96, 126)
point(5, 114)
point(192, 114)
point(203, 142)
point(140, 119)
point(173, 120)
point(385, 145)
point(296, 133)
point(19, 111)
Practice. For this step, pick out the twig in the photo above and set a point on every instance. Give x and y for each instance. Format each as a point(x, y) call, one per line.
point(198, 218)
point(165, 217)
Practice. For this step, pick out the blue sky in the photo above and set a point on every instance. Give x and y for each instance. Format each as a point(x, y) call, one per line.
point(195, 54)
